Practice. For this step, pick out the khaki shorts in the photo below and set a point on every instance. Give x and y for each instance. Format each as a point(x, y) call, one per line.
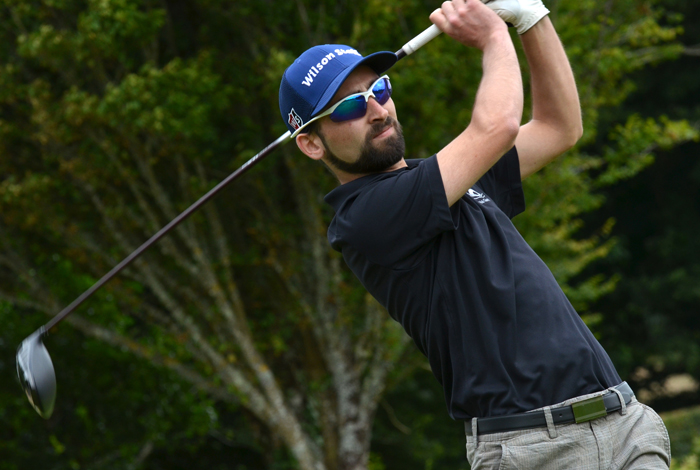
point(635, 440)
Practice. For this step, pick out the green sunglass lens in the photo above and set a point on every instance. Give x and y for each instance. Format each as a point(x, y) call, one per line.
point(351, 108)
point(356, 106)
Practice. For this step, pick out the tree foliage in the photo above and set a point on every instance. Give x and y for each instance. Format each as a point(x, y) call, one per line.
point(115, 115)
point(652, 323)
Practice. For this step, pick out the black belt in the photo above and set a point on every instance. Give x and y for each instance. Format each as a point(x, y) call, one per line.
point(579, 412)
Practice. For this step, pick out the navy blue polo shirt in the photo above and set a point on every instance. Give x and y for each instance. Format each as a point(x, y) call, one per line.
point(500, 335)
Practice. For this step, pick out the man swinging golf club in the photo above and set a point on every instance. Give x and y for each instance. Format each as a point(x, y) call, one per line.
point(432, 240)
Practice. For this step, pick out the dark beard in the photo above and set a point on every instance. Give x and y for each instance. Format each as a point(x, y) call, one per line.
point(372, 159)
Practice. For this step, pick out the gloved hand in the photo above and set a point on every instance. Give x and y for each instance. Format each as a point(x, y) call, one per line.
point(523, 14)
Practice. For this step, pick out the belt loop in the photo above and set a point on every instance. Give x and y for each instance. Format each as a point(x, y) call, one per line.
point(474, 434)
point(550, 422)
point(623, 409)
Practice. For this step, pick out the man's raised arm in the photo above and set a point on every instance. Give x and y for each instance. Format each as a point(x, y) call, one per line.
point(499, 101)
point(556, 112)
point(556, 123)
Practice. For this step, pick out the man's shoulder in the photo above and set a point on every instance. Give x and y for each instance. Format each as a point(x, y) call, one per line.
point(414, 162)
point(347, 192)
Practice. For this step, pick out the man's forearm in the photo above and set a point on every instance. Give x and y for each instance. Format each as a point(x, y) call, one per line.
point(498, 107)
point(500, 93)
point(556, 112)
point(555, 98)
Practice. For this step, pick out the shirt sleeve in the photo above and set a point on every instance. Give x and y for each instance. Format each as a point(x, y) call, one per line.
point(503, 185)
point(393, 221)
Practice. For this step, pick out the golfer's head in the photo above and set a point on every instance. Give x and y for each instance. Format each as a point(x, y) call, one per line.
point(344, 100)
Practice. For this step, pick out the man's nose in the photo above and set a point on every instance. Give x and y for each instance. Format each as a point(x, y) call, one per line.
point(376, 111)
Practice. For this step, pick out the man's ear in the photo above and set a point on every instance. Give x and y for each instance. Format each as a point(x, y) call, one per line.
point(311, 145)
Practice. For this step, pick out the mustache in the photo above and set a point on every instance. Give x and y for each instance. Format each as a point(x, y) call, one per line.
point(379, 127)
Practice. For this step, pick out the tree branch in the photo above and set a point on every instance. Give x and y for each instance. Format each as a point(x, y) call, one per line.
point(166, 246)
point(692, 50)
point(145, 451)
point(189, 375)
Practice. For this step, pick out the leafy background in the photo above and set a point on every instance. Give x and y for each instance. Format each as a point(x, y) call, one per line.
point(117, 114)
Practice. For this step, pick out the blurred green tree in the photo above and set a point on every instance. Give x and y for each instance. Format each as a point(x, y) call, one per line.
point(116, 114)
point(652, 323)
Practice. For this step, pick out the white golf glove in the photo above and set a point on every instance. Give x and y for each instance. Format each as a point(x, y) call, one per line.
point(523, 14)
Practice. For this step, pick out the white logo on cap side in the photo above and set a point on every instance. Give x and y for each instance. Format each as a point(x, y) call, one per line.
point(295, 120)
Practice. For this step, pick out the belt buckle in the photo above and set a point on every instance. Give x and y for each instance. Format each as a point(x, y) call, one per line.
point(588, 410)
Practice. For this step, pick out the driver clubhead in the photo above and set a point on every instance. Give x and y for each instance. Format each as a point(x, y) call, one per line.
point(36, 374)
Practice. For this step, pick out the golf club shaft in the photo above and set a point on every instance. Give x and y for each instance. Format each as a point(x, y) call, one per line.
point(419, 41)
point(409, 48)
point(176, 221)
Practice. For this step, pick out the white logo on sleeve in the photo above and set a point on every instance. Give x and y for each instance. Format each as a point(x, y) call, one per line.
point(478, 197)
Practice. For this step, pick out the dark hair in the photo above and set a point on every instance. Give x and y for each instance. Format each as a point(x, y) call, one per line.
point(312, 128)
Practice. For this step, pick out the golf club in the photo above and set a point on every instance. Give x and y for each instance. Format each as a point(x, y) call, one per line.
point(34, 367)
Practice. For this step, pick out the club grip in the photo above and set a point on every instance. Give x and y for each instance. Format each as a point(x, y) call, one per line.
point(419, 41)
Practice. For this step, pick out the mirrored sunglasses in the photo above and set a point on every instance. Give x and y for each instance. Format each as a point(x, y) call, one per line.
point(355, 105)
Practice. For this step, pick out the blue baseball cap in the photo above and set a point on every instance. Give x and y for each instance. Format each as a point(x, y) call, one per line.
point(309, 84)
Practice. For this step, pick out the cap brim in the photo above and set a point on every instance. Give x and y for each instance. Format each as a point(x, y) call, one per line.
point(380, 62)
